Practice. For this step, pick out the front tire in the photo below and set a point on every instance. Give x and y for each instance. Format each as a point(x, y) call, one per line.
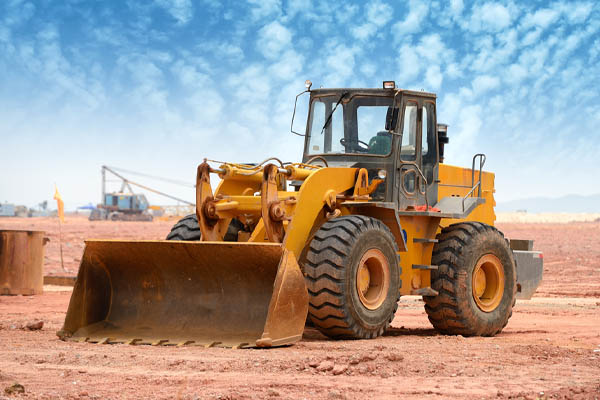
point(188, 229)
point(353, 277)
point(475, 281)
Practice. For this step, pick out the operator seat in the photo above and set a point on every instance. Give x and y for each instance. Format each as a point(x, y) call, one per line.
point(381, 143)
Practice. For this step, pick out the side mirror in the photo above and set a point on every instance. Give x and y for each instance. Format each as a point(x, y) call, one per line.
point(391, 119)
point(308, 85)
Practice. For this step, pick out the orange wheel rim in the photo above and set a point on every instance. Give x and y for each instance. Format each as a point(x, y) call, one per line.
point(488, 283)
point(373, 279)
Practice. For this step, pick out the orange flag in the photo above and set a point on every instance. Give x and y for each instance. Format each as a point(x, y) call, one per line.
point(60, 204)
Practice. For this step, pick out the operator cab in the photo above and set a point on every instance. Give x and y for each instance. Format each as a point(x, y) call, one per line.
point(348, 123)
point(390, 132)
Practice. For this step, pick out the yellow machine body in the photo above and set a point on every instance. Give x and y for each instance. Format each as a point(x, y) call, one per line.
point(238, 277)
point(246, 293)
point(454, 182)
point(457, 181)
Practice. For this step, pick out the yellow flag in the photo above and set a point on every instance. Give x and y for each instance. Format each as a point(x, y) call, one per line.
point(60, 204)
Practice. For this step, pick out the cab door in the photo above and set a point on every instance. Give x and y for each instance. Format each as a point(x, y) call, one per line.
point(416, 169)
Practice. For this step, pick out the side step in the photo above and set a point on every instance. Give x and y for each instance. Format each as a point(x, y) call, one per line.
point(425, 292)
point(424, 240)
point(427, 267)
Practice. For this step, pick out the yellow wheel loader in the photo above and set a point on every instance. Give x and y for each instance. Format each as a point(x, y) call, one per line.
point(369, 215)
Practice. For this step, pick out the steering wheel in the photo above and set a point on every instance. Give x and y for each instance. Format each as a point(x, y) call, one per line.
point(362, 146)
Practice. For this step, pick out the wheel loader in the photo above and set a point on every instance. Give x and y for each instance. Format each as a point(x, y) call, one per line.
point(370, 214)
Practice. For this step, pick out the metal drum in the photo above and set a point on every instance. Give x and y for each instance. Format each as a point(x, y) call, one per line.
point(21, 260)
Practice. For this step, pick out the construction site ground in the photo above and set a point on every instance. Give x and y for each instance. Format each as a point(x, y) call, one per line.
point(549, 349)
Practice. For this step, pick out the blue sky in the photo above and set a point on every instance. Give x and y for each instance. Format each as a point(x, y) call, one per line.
point(156, 86)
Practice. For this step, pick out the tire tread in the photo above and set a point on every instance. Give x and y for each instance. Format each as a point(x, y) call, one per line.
point(445, 311)
point(325, 270)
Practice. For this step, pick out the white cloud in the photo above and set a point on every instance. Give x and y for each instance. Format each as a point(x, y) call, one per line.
point(466, 127)
point(490, 17)
point(428, 55)
point(568, 45)
point(456, 7)
point(453, 71)
point(449, 14)
point(408, 64)
point(344, 12)
point(414, 21)
point(252, 83)
point(433, 77)
point(577, 13)
point(541, 18)
point(273, 39)
point(18, 12)
point(297, 6)
point(368, 69)
point(594, 50)
point(108, 35)
point(484, 83)
point(264, 8)
point(531, 37)
point(493, 51)
point(188, 75)
point(207, 107)
point(378, 15)
point(448, 107)
point(514, 74)
point(181, 10)
point(223, 50)
point(340, 64)
point(364, 31)
point(288, 66)
point(228, 50)
point(4, 34)
point(432, 48)
point(54, 74)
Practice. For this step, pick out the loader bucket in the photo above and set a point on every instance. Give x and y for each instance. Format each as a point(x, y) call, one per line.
point(187, 293)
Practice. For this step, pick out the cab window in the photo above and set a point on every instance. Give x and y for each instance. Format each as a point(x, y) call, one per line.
point(345, 124)
point(408, 151)
point(371, 129)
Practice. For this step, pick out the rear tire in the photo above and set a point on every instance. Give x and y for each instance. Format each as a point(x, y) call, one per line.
point(475, 281)
point(353, 277)
point(188, 229)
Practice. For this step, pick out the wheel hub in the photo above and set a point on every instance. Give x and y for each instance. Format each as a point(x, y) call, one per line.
point(372, 279)
point(488, 282)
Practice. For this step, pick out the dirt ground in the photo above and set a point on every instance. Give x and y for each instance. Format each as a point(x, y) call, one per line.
point(549, 349)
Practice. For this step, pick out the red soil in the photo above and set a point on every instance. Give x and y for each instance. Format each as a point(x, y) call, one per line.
point(550, 348)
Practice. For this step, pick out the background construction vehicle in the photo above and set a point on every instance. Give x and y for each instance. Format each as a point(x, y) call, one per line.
point(370, 214)
point(125, 205)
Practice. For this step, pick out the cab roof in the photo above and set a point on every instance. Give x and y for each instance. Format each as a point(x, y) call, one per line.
point(371, 91)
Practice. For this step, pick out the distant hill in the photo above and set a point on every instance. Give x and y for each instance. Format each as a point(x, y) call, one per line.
point(571, 203)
